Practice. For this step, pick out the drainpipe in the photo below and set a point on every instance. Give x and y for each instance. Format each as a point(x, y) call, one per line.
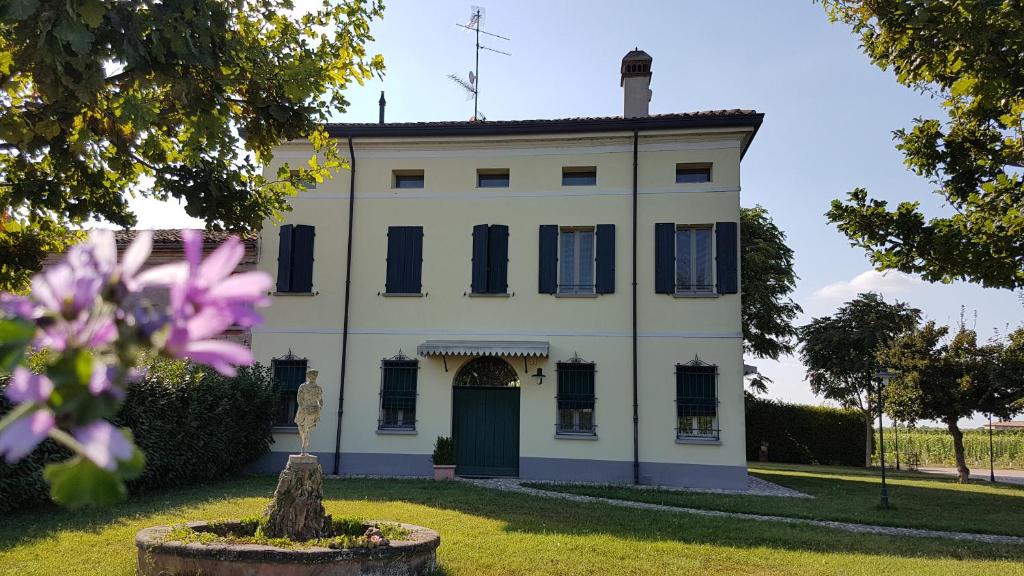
point(348, 286)
point(636, 408)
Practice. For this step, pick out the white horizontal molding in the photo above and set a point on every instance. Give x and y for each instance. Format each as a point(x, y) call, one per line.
point(481, 195)
point(498, 151)
point(493, 333)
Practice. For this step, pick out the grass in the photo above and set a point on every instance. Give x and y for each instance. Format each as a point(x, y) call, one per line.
point(487, 532)
point(852, 495)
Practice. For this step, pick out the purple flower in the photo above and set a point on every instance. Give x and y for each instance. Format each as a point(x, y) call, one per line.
point(134, 257)
point(88, 329)
point(24, 434)
point(104, 444)
point(102, 380)
point(26, 386)
point(18, 306)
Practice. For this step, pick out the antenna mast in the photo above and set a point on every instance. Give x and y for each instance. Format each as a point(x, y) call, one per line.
point(472, 86)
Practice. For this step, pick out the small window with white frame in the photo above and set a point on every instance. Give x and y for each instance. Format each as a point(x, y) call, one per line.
point(694, 260)
point(576, 261)
point(697, 401)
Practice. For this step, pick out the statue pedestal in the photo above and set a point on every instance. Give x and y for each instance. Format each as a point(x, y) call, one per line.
point(297, 510)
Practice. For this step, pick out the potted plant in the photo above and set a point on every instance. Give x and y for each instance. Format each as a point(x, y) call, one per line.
point(444, 458)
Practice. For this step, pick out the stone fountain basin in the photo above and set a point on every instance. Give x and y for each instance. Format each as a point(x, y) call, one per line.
point(415, 556)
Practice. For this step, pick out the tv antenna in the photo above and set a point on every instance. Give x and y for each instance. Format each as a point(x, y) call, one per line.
point(472, 85)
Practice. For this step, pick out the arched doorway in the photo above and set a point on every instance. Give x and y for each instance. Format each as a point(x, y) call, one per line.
point(485, 418)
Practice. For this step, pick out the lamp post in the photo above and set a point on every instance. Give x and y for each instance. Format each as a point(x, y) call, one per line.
point(883, 378)
point(896, 431)
point(991, 457)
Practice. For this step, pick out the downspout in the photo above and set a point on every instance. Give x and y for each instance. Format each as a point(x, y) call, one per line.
point(348, 285)
point(636, 408)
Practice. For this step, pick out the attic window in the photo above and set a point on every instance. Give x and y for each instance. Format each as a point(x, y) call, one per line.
point(407, 179)
point(492, 178)
point(693, 173)
point(579, 176)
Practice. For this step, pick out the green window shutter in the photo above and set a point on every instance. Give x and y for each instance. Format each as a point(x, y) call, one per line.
point(727, 256)
point(548, 272)
point(284, 259)
point(695, 390)
point(664, 258)
point(479, 276)
point(605, 282)
point(575, 398)
point(398, 394)
point(497, 259)
point(405, 260)
point(302, 258)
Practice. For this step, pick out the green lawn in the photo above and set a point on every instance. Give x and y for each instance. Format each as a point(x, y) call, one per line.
point(852, 495)
point(485, 532)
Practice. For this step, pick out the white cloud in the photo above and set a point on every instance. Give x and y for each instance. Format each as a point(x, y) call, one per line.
point(886, 283)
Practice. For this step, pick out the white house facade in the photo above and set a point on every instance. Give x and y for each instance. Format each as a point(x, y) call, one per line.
point(560, 296)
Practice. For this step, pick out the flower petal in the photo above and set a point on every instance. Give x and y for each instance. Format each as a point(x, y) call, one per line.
point(104, 444)
point(104, 250)
point(211, 321)
point(135, 256)
point(192, 240)
point(221, 263)
point(163, 275)
point(222, 355)
point(24, 434)
point(243, 287)
point(26, 386)
point(14, 305)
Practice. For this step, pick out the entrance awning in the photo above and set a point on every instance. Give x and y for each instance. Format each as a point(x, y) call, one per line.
point(483, 348)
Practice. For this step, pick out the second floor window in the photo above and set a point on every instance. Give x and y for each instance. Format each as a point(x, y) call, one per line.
point(398, 394)
point(490, 259)
point(405, 260)
point(694, 260)
point(579, 176)
point(295, 258)
point(575, 398)
point(407, 179)
point(289, 373)
point(577, 260)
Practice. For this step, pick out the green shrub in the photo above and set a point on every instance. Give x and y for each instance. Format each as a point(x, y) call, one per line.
point(444, 451)
point(192, 424)
point(934, 447)
point(801, 434)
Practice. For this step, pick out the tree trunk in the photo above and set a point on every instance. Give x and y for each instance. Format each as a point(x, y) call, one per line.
point(297, 510)
point(869, 438)
point(963, 472)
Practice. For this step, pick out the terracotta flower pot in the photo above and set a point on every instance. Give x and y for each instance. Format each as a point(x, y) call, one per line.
point(444, 472)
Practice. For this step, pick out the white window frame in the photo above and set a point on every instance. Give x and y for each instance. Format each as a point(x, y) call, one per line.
point(712, 287)
point(574, 289)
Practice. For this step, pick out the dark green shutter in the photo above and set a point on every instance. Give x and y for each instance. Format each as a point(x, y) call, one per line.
point(284, 259)
point(664, 258)
point(405, 260)
point(605, 283)
point(548, 272)
point(302, 258)
point(695, 390)
point(727, 254)
point(479, 277)
point(497, 259)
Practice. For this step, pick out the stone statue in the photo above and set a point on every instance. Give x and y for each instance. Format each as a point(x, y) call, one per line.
point(310, 400)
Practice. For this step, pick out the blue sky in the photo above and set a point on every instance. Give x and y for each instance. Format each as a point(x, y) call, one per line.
point(829, 116)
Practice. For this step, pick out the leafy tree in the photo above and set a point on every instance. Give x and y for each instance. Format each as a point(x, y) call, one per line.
point(768, 280)
point(101, 99)
point(969, 53)
point(840, 352)
point(946, 379)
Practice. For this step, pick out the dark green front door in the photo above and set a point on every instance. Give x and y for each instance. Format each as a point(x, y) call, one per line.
point(485, 426)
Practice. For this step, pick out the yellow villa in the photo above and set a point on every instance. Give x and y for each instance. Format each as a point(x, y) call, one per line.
point(560, 296)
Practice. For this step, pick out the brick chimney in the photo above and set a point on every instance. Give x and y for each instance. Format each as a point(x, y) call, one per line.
point(636, 84)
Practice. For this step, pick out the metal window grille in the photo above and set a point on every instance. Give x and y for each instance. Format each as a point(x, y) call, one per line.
point(575, 397)
point(398, 394)
point(289, 373)
point(694, 260)
point(697, 400)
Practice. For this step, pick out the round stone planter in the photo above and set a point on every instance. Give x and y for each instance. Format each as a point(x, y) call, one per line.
point(415, 556)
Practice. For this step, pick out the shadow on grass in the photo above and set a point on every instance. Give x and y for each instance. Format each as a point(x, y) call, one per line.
point(518, 513)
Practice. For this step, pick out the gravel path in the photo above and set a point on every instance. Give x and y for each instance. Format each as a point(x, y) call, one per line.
point(514, 485)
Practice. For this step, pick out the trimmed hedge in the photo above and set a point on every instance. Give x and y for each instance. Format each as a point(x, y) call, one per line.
point(192, 424)
point(801, 434)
